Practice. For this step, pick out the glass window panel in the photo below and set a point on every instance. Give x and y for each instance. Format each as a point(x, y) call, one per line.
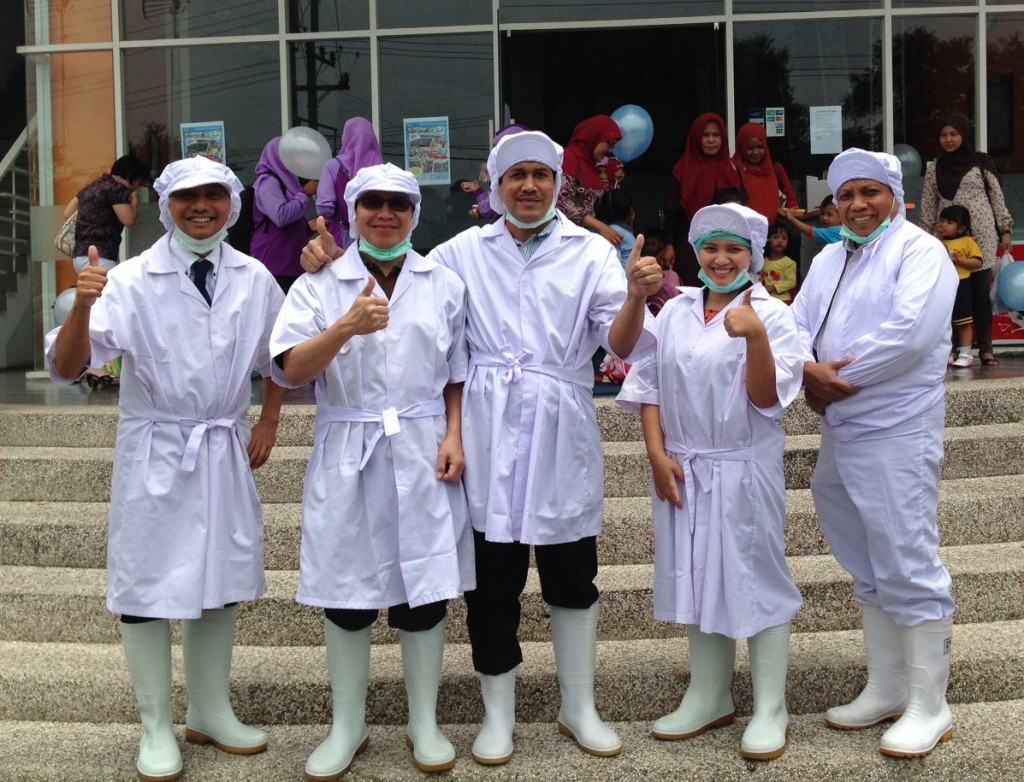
point(340, 74)
point(314, 16)
point(58, 21)
point(933, 74)
point(930, 3)
point(155, 19)
point(796, 6)
point(521, 11)
point(815, 63)
point(1005, 62)
point(447, 76)
point(432, 13)
point(237, 84)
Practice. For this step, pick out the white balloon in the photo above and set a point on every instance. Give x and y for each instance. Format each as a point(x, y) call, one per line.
point(62, 305)
point(304, 152)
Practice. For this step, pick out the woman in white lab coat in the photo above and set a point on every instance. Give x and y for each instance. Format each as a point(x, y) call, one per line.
point(384, 522)
point(728, 363)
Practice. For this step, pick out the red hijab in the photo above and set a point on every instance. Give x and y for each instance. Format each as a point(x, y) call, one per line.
point(578, 160)
point(700, 176)
point(760, 181)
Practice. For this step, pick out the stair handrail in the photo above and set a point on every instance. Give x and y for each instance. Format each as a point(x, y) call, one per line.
point(8, 161)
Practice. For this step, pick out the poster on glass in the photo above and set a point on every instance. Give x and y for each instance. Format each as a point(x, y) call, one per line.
point(427, 150)
point(203, 138)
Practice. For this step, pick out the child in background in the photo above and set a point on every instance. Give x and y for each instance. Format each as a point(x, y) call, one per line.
point(828, 218)
point(615, 209)
point(954, 229)
point(729, 195)
point(656, 244)
point(779, 272)
point(728, 362)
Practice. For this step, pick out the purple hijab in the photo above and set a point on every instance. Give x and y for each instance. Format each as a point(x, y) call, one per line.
point(279, 246)
point(270, 163)
point(359, 149)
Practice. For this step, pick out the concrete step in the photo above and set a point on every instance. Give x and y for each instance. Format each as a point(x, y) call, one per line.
point(968, 403)
point(74, 534)
point(68, 604)
point(56, 474)
point(637, 680)
point(986, 747)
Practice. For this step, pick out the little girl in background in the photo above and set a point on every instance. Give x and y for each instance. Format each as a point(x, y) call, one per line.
point(615, 209)
point(954, 229)
point(728, 362)
point(779, 272)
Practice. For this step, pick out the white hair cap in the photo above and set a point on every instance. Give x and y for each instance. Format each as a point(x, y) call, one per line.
point(856, 163)
point(732, 219)
point(527, 146)
point(194, 172)
point(382, 178)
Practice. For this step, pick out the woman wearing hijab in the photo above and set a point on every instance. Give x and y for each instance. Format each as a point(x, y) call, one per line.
point(874, 319)
point(279, 212)
point(582, 184)
point(702, 170)
point(764, 181)
point(384, 516)
point(961, 175)
point(359, 149)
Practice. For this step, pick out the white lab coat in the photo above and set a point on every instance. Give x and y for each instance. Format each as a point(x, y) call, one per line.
point(378, 528)
point(719, 561)
point(535, 472)
point(186, 527)
point(892, 316)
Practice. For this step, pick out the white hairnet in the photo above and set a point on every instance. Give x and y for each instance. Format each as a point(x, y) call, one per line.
point(193, 172)
point(382, 178)
point(856, 163)
point(527, 146)
point(732, 219)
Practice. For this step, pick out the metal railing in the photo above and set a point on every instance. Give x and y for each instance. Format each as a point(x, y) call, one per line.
point(14, 208)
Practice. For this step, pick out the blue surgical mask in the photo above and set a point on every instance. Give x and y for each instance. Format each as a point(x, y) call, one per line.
point(846, 233)
point(200, 246)
point(548, 217)
point(741, 281)
point(385, 254)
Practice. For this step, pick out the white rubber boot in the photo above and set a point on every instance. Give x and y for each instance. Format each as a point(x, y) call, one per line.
point(207, 644)
point(765, 735)
point(707, 702)
point(493, 745)
point(884, 697)
point(927, 719)
point(422, 654)
point(147, 649)
point(348, 664)
point(574, 633)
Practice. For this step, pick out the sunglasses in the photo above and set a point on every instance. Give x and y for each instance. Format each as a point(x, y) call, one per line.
point(395, 203)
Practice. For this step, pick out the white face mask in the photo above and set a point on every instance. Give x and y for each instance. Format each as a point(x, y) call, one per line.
point(200, 246)
point(547, 217)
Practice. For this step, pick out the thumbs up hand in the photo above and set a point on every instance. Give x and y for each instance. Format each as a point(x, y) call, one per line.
point(368, 313)
point(742, 320)
point(91, 280)
point(320, 250)
point(643, 273)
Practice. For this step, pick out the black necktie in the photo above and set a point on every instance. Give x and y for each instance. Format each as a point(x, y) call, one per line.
point(200, 269)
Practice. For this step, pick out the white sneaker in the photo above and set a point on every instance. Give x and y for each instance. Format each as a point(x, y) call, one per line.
point(963, 362)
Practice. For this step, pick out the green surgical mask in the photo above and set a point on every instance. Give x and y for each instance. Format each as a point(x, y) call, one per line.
point(741, 281)
point(385, 254)
point(200, 246)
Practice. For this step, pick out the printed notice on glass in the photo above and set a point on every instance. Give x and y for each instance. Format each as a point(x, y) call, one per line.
point(775, 121)
point(427, 150)
point(203, 138)
point(826, 130)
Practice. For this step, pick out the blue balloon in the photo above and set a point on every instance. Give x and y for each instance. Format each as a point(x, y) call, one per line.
point(637, 131)
point(1010, 286)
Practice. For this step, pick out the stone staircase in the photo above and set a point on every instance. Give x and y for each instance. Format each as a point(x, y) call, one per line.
point(67, 711)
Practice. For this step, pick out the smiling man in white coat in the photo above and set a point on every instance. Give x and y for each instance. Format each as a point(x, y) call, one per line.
point(191, 318)
point(542, 295)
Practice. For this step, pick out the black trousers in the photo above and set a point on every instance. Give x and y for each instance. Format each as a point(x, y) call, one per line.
point(567, 572)
point(401, 617)
point(981, 308)
point(128, 619)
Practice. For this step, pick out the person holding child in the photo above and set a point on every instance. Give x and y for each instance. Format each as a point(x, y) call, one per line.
point(582, 183)
point(778, 275)
point(728, 362)
point(954, 229)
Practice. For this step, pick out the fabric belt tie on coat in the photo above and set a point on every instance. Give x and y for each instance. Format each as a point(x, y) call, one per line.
point(200, 426)
point(697, 469)
point(515, 364)
point(387, 420)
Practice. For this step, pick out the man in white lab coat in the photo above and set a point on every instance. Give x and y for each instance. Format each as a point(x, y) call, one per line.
point(191, 318)
point(543, 294)
point(874, 317)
